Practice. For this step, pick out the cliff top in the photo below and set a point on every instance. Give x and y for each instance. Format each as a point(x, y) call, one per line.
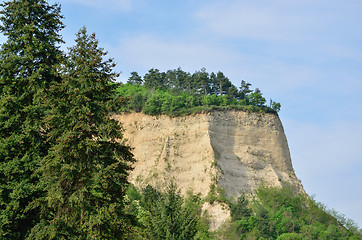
point(176, 92)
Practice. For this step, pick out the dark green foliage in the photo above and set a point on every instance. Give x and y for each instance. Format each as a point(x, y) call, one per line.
point(63, 172)
point(85, 172)
point(275, 106)
point(167, 215)
point(178, 93)
point(155, 79)
point(240, 209)
point(245, 89)
point(135, 78)
point(256, 99)
point(29, 60)
point(201, 82)
point(150, 197)
point(172, 218)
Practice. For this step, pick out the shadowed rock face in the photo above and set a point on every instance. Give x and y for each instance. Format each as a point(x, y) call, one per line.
point(235, 150)
point(250, 148)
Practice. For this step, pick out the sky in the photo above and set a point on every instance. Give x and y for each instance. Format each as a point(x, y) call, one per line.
point(307, 55)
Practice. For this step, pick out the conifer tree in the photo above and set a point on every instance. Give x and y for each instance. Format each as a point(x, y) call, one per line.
point(203, 81)
point(224, 83)
point(245, 90)
point(170, 217)
point(28, 61)
point(154, 79)
point(85, 172)
point(135, 78)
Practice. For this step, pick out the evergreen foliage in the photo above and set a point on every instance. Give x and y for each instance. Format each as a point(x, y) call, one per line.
point(167, 215)
point(29, 60)
point(85, 172)
point(63, 170)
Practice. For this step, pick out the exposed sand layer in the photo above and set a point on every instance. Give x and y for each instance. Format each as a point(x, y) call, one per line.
point(235, 150)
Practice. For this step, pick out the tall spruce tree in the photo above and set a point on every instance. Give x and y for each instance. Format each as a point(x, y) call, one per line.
point(85, 172)
point(28, 61)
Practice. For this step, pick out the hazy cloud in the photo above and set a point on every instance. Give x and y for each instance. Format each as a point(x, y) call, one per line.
point(107, 4)
point(148, 51)
point(279, 20)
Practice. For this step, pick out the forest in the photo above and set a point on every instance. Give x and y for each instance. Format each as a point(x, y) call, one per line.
point(64, 163)
point(177, 92)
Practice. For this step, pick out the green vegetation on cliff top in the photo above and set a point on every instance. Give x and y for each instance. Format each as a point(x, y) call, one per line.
point(176, 92)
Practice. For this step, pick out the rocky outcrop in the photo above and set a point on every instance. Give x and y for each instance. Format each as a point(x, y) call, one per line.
point(235, 150)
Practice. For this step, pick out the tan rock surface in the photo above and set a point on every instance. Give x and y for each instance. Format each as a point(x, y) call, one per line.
point(235, 149)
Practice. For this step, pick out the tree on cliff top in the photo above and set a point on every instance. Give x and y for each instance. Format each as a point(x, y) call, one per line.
point(85, 172)
point(28, 60)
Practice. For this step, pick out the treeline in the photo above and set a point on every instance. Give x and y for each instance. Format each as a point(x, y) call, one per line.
point(272, 213)
point(178, 92)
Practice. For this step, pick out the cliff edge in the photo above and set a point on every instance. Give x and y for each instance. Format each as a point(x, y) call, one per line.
point(235, 150)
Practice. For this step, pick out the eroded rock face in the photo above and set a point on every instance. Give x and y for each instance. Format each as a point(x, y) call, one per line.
point(235, 150)
point(251, 148)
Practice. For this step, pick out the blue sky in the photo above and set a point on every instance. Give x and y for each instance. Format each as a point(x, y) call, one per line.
point(307, 55)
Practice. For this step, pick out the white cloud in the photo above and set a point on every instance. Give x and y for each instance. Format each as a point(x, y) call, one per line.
point(282, 20)
point(148, 51)
point(263, 20)
point(311, 44)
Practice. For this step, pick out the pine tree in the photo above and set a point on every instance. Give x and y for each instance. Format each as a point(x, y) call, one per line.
point(135, 79)
point(28, 61)
point(202, 77)
point(245, 90)
point(85, 172)
point(215, 87)
point(224, 83)
point(154, 79)
point(170, 216)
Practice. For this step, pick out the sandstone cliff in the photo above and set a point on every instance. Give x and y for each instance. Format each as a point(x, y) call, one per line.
point(236, 150)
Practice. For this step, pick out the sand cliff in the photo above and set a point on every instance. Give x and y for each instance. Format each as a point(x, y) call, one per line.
point(235, 150)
